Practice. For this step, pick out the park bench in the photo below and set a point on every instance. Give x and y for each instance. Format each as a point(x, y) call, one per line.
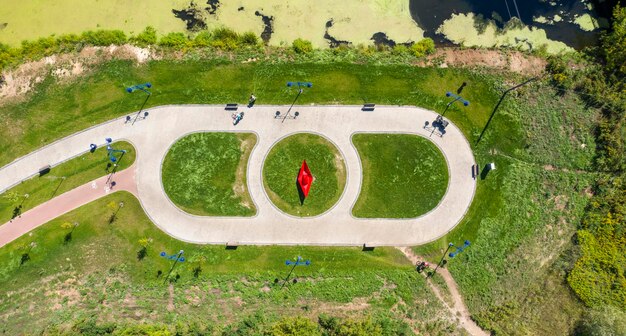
point(232, 107)
point(44, 170)
point(367, 247)
point(368, 107)
point(232, 245)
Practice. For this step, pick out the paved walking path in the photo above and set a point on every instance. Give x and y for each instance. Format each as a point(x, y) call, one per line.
point(66, 202)
point(153, 136)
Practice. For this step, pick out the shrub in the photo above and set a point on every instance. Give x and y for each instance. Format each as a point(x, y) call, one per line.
point(400, 49)
point(39, 48)
point(604, 321)
point(424, 47)
point(302, 46)
point(104, 37)
point(294, 326)
point(203, 39)
point(147, 37)
point(249, 38)
point(173, 40)
point(224, 39)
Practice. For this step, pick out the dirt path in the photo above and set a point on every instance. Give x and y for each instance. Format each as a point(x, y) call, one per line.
point(458, 310)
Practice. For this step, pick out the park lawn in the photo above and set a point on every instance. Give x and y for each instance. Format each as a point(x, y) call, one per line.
point(62, 178)
point(101, 274)
point(57, 109)
point(205, 174)
point(404, 176)
point(281, 168)
point(541, 141)
point(524, 216)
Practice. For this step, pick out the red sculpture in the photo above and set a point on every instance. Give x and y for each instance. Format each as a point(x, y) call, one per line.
point(305, 178)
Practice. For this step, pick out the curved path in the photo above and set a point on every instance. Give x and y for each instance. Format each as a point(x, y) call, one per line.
point(153, 136)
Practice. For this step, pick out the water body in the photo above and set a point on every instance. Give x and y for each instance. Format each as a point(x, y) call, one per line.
point(556, 17)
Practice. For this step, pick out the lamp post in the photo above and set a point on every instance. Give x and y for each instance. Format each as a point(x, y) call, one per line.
point(459, 249)
point(300, 86)
point(111, 151)
point(140, 87)
point(441, 261)
point(298, 262)
point(500, 101)
point(456, 98)
point(176, 257)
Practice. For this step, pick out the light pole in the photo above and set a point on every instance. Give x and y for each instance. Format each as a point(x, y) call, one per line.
point(176, 257)
point(300, 86)
point(140, 87)
point(298, 262)
point(441, 261)
point(459, 249)
point(500, 101)
point(456, 98)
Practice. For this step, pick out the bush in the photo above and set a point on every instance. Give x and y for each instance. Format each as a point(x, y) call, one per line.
point(104, 37)
point(147, 37)
point(173, 40)
point(203, 39)
point(225, 39)
point(605, 321)
point(424, 47)
point(400, 49)
point(294, 326)
point(249, 39)
point(302, 46)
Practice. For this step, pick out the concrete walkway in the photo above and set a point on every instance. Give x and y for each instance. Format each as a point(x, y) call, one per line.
point(66, 202)
point(153, 136)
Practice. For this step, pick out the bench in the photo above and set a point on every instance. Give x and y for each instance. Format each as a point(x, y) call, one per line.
point(44, 170)
point(475, 171)
point(232, 107)
point(232, 245)
point(368, 107)
point(367, 247)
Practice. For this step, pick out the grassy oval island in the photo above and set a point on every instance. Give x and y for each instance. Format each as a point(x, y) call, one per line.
point(283, 163)
point(205, 174)
point(404, 176)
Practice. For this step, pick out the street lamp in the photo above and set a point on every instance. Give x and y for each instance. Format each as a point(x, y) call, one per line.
point(140, 87)
point(111, 151)
point(459, 249)
point(441, 261)
point(300, 86)
point(456, 98)
point(298, 262)
point(176, 257)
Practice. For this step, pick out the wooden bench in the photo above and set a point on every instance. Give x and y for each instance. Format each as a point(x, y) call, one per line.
point(367, 247)
point(44, 170)
point(232, 245)
point(232, 106)
point(368, 107)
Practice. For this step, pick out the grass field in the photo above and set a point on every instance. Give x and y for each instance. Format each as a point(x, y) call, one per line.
point(404, 176)
point(205, 174)
point(283, 163)
point(64, 177)
point(59, 109)
point(102, 275)
point(520, 223)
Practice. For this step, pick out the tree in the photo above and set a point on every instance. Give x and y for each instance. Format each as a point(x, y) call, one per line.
point(614, 45)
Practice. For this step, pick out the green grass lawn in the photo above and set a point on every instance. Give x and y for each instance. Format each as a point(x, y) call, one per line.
point(283, 163)
point(102, 274)
point(520, 223)
point(59, 109)
point(205, 174)
point(404, 176)
point(64, 177)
